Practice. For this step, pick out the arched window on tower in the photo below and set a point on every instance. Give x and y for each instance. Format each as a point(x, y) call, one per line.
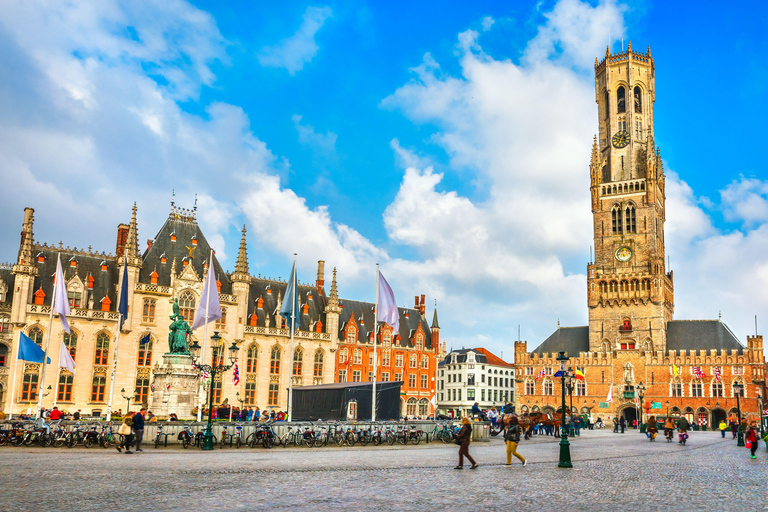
point(638, 100)
point(607, 176)
point(631, 219)
point(607, 106)
point(620, 100)
point(616, 220)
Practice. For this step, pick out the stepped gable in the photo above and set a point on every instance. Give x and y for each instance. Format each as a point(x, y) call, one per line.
point(270, 290)
point(572, 340)
point(183, 225)
point(105, 282)
point(7, 277)
point(408, 326)
point(701, 335)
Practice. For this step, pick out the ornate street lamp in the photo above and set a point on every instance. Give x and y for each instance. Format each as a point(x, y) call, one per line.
point(570, 385)
point(128, 398)
point(213, 370)
point(640, 395)
point(565, 447)
point(242, 402)
point(760, 411)
point(737, 390)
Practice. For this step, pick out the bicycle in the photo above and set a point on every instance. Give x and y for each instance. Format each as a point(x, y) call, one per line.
point(161, 433)
point(186, 436)
point(13, 436)
point(290, 437)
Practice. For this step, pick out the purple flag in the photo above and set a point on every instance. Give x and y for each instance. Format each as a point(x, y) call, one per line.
point(60, 299)
point(209, 308)
point(386, 309)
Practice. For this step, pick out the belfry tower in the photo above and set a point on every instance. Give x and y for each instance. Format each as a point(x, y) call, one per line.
point(629, 292)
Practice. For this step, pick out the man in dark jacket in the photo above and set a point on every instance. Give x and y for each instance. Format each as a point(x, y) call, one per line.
point(622, 424)
point(477, 412)
point(138, 428)
point(512, 437)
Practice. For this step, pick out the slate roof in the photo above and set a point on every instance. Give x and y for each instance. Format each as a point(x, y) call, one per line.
point(6, 275)
point(570, 339)
point(408, 326)
point(261, 288)
point(461, 356)
point(184, 230)
point(681, 335)
point(701, 335)
point(105, 281)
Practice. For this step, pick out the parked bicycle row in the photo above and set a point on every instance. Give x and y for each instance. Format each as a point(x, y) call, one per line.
point(265, 435)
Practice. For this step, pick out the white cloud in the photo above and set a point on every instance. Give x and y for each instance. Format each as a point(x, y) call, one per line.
point(324, 143)
point(746, 200)
point(488, 23)
point(299, 49)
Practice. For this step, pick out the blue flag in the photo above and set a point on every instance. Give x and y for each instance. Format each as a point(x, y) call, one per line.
point(144, 340)
point(290, 307)
point(122, 306)
point(559, 373)
point(29, 351)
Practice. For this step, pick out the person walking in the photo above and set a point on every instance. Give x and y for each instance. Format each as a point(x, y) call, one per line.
point(683, 426)
point(127, 433)
point(463, 438)
point(622, 424)
point(615, 425)
point(751, 439)
point(723, 427)
point(493, 416)
point(138, 427)
point(512, 437)
point(734, 427)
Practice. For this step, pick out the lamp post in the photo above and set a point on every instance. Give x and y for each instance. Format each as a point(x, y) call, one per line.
point(565, 447)
point(760, 411)
point(242, 402)
point(640, 395)
point(667, 408)
point(213, 370)
point(738, 387)
point(569, 385)
point(127, 398)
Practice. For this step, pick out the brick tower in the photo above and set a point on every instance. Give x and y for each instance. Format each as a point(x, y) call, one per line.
point(629, 293)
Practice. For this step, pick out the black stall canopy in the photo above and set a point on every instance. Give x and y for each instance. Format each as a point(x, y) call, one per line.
point(346, 400)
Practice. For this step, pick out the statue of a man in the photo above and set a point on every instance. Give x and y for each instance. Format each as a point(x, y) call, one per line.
point(179, 332)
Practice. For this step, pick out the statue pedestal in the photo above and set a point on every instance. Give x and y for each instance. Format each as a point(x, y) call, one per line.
point(176, 386)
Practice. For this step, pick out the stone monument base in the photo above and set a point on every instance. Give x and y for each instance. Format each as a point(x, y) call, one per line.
point(175, 386)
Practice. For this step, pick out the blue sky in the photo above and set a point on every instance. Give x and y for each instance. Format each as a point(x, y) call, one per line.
point(447, 141)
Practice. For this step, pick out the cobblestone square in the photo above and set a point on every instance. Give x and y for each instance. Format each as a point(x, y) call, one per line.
point(611, 471)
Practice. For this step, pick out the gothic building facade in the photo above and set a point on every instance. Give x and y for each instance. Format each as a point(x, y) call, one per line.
point(172, 268)
point(688, 367)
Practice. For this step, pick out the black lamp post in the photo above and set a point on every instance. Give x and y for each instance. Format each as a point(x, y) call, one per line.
point(242, 402)
point(213, 370)
point(589, 411)
point(737, 390)
point(640, 395)
point(570, 386)
point(667, 408)
point(760, 411)
point(127, 398)
point(565, 447)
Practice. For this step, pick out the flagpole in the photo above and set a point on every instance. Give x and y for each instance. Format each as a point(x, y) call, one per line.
point(13, 385)
point(56, 390)
point(293, 328)
point(205, 342)
point(375, 328)
point(114, 355)
point(47, 343)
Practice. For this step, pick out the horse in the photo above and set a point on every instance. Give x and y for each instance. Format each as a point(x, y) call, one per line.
point(528, 420)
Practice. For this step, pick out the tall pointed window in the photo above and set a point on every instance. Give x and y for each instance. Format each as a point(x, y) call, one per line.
point(36, 335)
point(187, 306)
point(616, 220)
point(102, 349)
point(97, 389)
point(318, 371)
point(253, 358)
point(274, 361)
point(298, 362)
point(630, 219)
point(145, 353)
point(638, 100)
point(65, 387)
point(70, 340)
point(620, 100)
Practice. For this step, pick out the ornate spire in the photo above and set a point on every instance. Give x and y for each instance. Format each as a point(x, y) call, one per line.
point(241, 266)
point(27, 238)
point(333, 300)
point(629, 46)
point(435, 324)
point(132, 244)
point(595, 151)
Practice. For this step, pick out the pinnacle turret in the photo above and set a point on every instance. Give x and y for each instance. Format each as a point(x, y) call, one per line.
point(132, 244)
point(241, 266)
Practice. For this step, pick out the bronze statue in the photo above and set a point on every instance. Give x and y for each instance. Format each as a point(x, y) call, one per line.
point(179, 332)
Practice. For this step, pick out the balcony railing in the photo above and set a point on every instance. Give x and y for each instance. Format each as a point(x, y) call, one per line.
point(628, 394)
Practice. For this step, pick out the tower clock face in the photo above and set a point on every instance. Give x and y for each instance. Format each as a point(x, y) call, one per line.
point(623, 253)
point(621, 139)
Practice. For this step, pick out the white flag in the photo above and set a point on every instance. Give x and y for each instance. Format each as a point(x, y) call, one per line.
point(65, 358)
point(386, 310)
point(434, 401)
point(210, 307)
point(610, 394)
point(60, 300)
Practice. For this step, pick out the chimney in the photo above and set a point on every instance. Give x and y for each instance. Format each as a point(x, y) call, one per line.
point(416, 302)
point(320, 276)
point(422, 307)
point(122, 239)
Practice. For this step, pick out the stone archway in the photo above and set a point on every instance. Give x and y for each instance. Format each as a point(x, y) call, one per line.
point(718, 415)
